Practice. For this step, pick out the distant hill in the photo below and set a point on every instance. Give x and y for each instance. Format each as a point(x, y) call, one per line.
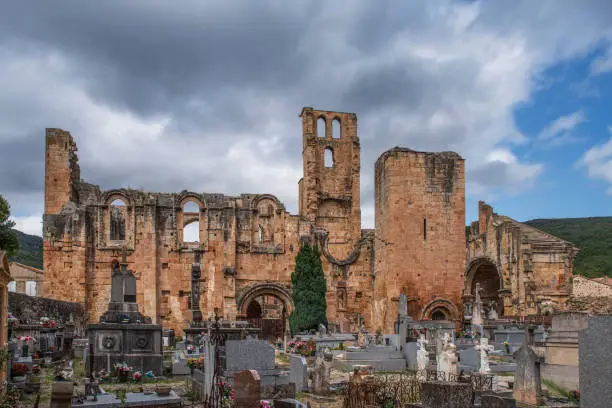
point(592, 235)
point(30, 250)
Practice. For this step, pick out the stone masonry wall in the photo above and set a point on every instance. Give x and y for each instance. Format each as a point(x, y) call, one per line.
point(32, 308)
point(534, 269)
point(248, 240)
point(420, 228)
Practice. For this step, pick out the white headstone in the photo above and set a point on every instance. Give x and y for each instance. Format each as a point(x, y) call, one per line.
point(447, 360)
point(484, 349)
point(422, 355)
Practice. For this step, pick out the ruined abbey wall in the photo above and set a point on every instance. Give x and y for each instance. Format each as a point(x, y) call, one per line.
point(249, 241)
point(420, 228)
point(523, 270)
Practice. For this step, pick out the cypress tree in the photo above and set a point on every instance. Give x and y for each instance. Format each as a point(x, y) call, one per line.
point(309, 289)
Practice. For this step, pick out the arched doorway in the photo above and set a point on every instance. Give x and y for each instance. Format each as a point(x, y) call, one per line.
point(254, 310)
point(439, 314)
point(268, 306)
point(483, 272)
point(440, 309)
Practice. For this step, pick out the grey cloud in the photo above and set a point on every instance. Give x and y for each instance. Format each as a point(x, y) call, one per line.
point(227, 75)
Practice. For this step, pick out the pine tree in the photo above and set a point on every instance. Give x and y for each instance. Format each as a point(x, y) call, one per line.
point(309, 289)
point(8, 238)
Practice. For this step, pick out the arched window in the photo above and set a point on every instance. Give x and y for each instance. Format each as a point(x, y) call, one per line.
point(321, 127)
point(117, 220)
point(336, 129)
point(329, 157)
point(191, 222)
point(191, 232)
point(191, 207)
point(12, 286)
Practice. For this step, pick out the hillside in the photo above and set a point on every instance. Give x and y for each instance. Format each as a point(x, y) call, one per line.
point(30, 250)
point(592, 235)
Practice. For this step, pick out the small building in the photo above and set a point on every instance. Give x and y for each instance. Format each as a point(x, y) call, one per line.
point(5, 278)
point(26, 279)
point(597, 287)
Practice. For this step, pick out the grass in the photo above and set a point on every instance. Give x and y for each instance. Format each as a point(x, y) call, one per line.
point(556, 388)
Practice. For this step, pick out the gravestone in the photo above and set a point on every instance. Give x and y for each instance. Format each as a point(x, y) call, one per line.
point(61, 394)
point(124, 334)
point(444, 394)
point(596, 363)
point(321, 374)
point(247, 389)
point(527, 382)
point(495, 401)
point(403, 320)
point(422, 356)
point(484, 348)
point(477, 310)
point(299, 373)
point(248, 354)
point(447, 360)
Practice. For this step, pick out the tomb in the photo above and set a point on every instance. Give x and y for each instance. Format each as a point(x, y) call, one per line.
point(124, 335)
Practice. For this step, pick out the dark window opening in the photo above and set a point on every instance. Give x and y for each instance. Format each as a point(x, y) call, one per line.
point(425, 228)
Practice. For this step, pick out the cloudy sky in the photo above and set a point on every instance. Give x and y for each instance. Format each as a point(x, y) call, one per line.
point(205, 95)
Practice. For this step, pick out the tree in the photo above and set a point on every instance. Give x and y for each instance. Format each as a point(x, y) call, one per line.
point(8, 239)
point(309, 288)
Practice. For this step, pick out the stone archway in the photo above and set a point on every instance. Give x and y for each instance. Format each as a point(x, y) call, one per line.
point(484, 272)
point(440, 309)
point(271, 327)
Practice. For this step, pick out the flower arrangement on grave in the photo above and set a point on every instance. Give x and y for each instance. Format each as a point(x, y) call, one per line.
point(507, 346)
point(193, 363)
point(123, 370)
point(26, 338)
point(190, 349)
point(19, 369)
point(264, 404)
point(103, 375)
point(35, 369)
point(301, 347)
point(574, 395)
point(48, 323)
point(136, 376)
point(226, 393)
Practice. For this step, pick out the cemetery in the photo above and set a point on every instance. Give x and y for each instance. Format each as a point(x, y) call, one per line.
point(124, 360)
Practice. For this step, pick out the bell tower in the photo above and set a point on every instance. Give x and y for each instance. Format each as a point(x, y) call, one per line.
point(329, 191)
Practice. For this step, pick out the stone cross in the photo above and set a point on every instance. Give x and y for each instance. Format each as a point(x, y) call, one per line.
point(477, 309)
point(196, 275)
point(447, 360)
point(123, 282)
point(484, 349)
point(402, 310)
